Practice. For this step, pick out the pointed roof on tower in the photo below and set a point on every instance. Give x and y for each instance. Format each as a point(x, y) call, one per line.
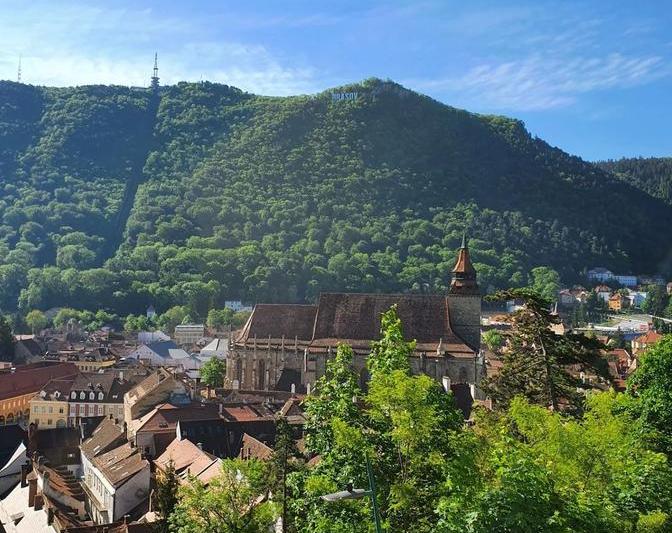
point(464, 273)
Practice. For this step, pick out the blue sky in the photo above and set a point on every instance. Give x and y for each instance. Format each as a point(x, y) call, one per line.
point(593, 78)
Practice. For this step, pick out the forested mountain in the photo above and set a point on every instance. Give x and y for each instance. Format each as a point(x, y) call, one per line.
point(651, 174)
point(114, 197)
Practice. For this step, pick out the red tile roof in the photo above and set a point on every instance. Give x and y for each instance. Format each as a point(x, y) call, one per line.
point(29, 379)
point(649, 337)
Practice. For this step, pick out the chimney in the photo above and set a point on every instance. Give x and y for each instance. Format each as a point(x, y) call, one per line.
point(200, 445)
point(293, 388)
point(50, 516)
point(38, 502)
point(24, 472)
point(445, 381)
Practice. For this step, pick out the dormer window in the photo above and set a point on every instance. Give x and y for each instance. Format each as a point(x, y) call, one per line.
point(73, 395)
point(92, 396)
point(100, 395)
point(82, 395)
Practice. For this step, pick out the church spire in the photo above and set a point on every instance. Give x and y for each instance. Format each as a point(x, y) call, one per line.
point(464, 273)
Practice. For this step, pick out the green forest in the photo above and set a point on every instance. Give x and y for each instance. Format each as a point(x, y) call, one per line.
point(116, 198)
point(653, 174)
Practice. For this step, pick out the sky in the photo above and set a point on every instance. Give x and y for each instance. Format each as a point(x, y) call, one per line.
point(593, 78)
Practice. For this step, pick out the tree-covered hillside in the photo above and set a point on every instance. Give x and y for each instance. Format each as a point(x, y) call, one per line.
point(652, 174)
point(113, 197)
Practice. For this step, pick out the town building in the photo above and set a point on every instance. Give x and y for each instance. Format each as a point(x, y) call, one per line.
point(626, 280)
point(189, 461)
point(116, 476)
point(19, 385)
point(641, 343)
point(99, 394)
point(189, 334)
point(618, 302)
point(49, 407)
point(166, 354)
point(285, 346)
point(159, 387)
point(600, 274)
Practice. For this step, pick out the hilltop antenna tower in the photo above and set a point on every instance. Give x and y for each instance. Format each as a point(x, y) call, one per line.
point(155, 75)
point(18, 73)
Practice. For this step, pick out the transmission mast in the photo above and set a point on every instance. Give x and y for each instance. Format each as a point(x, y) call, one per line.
point(18, 73)
point(155, 76)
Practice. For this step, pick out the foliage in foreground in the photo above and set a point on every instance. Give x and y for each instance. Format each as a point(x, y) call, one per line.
point(521, 468)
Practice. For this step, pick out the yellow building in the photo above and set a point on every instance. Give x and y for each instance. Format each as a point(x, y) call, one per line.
point(19, 385)
point(49, 407)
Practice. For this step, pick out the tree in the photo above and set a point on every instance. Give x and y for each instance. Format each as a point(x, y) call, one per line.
point(167, 486)
point(546, 282)
point(36, 320)
point(651, 386)
point(535, 358)
point(406, 424)
point(213, 372)
point(6, 340)
point(541, 471)
point(236, 501)
point(284, 451)
point(493, 340)
point(218, 318)
point(656, 300)
point(391, 352)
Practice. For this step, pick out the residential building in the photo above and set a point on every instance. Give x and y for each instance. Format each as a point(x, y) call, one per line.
point(189, 461)
point(637, 298)
point(116, 476)
point(215, 348)
point(626, 280)
point(618, 302)
point(153, 432)
point(27, 349)
point(603, 293)
point(599, 274)
point(99, 394)
point(159, 387)
point(237, 306)
point(147, 337)
point(252, 448)
point(19, 385)
point(641, 343)
point(669, 288)
point(288, 345)
point(49, 407)
point(189, 334)
point(166, 354)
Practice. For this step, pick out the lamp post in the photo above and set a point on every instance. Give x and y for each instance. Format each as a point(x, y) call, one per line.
point(355, 494)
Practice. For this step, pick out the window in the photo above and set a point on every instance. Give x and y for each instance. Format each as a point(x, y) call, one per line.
point(82, 396)
point(35, 409)
point(60, 410)
point(92, 396)
point(50, 422)
point(51, 409)
point(73, 395)
point(100, 395)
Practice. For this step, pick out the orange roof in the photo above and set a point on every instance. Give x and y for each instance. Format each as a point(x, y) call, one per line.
point(649, 337)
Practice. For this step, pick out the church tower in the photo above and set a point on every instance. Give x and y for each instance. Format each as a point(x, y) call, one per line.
point(464, 299)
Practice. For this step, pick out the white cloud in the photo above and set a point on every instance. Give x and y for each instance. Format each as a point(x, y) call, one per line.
point(539, 82)
point(78, 45)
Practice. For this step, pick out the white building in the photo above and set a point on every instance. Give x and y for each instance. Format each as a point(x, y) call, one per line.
point(236, 306)
point(627, 280)
point(116, 476)
point(166, 354)
point(600, 274)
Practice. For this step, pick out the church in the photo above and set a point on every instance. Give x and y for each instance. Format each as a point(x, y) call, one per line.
point(287, 346)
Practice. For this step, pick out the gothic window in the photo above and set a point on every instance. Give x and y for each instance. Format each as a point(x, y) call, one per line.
point(261, 377)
